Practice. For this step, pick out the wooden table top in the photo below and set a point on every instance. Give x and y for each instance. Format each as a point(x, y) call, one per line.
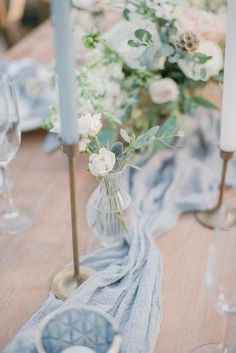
point(28, 261)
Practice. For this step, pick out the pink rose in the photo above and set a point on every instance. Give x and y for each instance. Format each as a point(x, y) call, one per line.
point(204, 24)
point(164, 91)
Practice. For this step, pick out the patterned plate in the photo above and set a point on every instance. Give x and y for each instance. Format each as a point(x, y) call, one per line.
point(73, 327)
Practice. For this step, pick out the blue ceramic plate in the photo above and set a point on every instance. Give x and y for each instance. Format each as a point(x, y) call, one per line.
point(81, 326)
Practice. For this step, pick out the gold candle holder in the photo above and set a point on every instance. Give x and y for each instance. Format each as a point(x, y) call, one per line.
point(209, 218)
point(66, 281)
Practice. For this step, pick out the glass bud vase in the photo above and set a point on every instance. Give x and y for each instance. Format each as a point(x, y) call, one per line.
point(110, 211)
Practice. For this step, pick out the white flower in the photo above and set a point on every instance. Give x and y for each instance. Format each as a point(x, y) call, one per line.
point(163, 91)
point(163, 8)
point(121, 33)
point(83, 144)
point(88, 5)
point(106, 81)
point(102, 163)
point(166, 8)
point(205, 71)
point(180, 133)
point(95, 5)
point(89, 125)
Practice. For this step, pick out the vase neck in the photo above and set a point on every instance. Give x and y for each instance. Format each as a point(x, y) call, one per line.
point(111, 182)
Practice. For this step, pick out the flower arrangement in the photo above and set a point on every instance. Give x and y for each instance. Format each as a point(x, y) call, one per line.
point(151, 65)
point(105, 158)
point(110, 212)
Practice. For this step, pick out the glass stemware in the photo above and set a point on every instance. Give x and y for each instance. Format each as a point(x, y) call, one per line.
point(221, 273)
point(11, 182)
point(13, 219)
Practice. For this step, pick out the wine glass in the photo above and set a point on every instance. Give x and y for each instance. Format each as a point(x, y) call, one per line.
point(11, 182)
point(221, 273)
point(13, 219)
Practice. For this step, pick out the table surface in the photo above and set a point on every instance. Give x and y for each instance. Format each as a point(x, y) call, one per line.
point(28, 261)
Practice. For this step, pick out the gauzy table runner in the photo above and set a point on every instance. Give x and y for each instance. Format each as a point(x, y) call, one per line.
point(127, 283)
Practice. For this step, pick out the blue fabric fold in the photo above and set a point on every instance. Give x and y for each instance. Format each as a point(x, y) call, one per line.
point(127, 283)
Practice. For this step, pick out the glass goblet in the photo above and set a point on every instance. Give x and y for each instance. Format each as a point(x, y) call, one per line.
point(221, 273)
point(13, 219)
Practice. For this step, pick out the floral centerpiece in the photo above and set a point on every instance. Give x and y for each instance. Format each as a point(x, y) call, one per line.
point(151, 65)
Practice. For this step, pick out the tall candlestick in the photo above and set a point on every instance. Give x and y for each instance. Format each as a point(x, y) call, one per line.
point(228, 119)
point(209, 218)
point(67, 280)
point(61, 13)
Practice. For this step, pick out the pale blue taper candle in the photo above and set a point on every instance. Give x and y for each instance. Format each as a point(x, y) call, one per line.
point(61, 16)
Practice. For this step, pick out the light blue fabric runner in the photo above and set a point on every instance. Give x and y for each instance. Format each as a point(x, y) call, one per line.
point(127, 284)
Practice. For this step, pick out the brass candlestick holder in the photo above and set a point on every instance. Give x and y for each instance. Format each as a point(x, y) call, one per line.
point(68, 279)
point(209, 218)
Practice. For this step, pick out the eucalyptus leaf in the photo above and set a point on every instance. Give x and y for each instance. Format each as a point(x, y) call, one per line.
point(126, 13)
point(203, 73)
point(204, 102)
point(165, 132)
point(173, 59)
point(201, 58)
point(107, 137)
point(134, 43)
point(147, 58)
point(124, 134)
point(168, 127)
point(143, 35)
point(167, 50)
point(144, 139)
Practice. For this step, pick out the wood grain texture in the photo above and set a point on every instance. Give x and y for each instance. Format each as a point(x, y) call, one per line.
point(28, 261)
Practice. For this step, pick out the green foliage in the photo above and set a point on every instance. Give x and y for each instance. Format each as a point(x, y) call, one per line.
point(146, 138)
point(166, 131)
point(143, 35)
point(147, 58)
point(107, 137)
point(200, 58)
point(204, 102)
point(219, 77)
point(126, 13)
point(91, 40)
point(143, 39)
point(51, 118)
point(125, 135)
point(135, 108)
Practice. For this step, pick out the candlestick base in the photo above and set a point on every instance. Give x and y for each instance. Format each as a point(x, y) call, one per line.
point(65, 283)
point(209, 218)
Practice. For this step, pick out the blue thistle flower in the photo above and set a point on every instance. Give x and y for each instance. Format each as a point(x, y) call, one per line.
point(117, 149)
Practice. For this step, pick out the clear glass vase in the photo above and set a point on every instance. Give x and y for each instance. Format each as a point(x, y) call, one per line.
point(110, 211)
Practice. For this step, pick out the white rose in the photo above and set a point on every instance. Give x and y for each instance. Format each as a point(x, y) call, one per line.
point(88, 5)
point(95, 5)
point(102, 163)
point(89, 125)
point(163, 91)
point(83, 144)
point(211, 68)
point(121, 33)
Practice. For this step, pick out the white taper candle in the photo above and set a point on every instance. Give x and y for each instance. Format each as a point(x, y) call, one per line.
point(228, 118)
point(61, 16)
